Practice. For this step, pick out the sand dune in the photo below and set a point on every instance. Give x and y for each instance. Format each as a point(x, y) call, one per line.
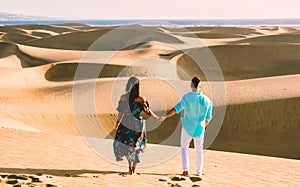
point(15, 37)
point(7, 49)
point(215, 35)
point(226, 30)
point(246, 61)
point(41, 33)
point(82, 40)
point(8, 29)
point(272, 128)
point(282, 38)
point(51, 54)
point(72, 41)
point(67, 71)
point(38, 65)
point(10, 61)
point(289, 29)
point(26, 59)
point(242, 96)
point(53, 28)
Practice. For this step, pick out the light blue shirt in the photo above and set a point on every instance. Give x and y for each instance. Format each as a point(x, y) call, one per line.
point(197, 109)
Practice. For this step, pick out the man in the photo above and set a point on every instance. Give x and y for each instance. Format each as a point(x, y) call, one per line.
point(197, 114)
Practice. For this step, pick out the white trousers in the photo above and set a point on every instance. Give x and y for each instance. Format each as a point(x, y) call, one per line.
point(198, 143)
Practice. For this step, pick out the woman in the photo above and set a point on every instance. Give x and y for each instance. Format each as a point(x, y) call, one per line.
point(130, 133)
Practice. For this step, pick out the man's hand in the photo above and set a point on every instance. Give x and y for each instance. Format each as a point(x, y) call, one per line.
point(162, 118)
point(206, 123)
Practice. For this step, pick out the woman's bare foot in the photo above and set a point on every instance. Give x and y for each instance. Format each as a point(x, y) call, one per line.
point(133, 171)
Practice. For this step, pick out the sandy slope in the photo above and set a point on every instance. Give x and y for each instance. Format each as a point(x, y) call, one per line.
point(245, 61)
point(56, 115)
point(38, 64)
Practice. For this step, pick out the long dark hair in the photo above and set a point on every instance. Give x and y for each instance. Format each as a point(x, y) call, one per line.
point(133, 89)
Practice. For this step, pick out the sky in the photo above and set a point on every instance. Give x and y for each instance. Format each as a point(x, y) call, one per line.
point(155, 9)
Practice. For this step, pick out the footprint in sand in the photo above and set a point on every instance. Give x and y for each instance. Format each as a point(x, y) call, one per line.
point(169, 180)
point(20, 177)
point(35, 179)
point(50, 185)
point(21, 180)
point(123, 174)
point(195, 179)
point(178, 178)
point(12, 182)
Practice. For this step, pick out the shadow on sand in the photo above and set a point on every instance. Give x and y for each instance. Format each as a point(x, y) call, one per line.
point(68, 173)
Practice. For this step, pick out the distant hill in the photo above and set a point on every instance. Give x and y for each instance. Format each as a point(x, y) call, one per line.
point(11, 17)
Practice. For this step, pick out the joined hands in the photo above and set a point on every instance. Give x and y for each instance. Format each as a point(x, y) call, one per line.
point(162, 118)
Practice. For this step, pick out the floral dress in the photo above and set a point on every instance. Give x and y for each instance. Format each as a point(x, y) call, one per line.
point(127, 141)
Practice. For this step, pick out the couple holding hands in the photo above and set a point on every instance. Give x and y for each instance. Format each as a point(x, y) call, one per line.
point(130, 139)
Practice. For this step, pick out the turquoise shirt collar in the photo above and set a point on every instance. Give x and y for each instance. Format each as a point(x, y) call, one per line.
point(199, 93)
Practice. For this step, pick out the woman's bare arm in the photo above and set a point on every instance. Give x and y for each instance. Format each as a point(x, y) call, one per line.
point(154, 115)
point(119, 119)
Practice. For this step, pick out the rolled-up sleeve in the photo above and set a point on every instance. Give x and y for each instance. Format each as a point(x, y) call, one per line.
point(179, 106)
point(209, 112)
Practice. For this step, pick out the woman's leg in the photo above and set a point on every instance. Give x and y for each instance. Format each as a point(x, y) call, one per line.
point(133, 168)
point(130, 166)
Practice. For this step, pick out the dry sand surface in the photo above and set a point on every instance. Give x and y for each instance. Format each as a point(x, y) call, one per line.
point(67, 161)
point(53, 91)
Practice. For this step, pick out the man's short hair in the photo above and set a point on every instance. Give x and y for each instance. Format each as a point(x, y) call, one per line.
point(195, 82)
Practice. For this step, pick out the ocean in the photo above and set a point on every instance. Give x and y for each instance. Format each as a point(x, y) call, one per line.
point(200, 22)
